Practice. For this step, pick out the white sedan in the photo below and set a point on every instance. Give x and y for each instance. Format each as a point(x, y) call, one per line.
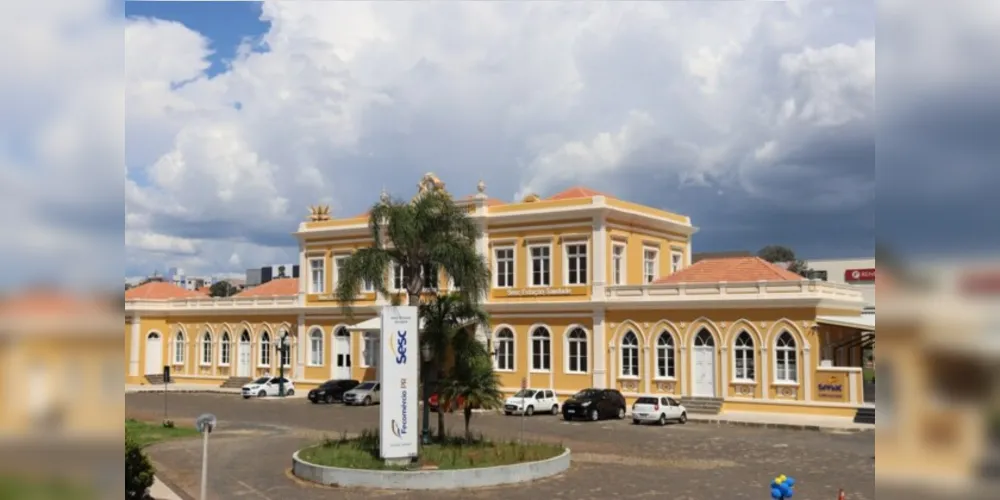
point(531, 401)
point(268, 386)
point(658, 409)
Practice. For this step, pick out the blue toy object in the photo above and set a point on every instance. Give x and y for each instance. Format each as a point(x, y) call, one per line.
point(782, 487)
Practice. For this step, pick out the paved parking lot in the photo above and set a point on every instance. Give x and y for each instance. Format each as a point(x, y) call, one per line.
point(251, 453)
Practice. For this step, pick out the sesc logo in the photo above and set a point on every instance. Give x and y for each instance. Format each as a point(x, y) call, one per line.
point(399, 348)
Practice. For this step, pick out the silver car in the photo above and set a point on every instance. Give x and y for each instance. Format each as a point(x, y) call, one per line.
point(368, 393)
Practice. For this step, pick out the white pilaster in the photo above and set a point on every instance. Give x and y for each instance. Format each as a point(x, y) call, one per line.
point(645, 367)
point(765, 377)
point(600, 350)
point(133, 361)
point(806, 367)
point(300, 348)
point(723, 385)
point(685, 377)
point(600, 259)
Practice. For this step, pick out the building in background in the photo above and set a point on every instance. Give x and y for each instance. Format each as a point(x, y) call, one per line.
point(859, 273)
point(259, 276)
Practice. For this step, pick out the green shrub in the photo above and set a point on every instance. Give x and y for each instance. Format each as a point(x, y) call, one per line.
point(138, 470)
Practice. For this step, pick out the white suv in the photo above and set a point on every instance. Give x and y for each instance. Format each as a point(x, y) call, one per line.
point(531, 401)
point(267, 386)
point(659, 409)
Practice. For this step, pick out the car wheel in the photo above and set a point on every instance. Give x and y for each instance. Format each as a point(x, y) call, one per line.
point(328, 399)
point(594, 416)
point(368, 401)
point(507, 413)
point(261, 394)
point(635, 422)
point(246, 397)
point(290, 392)
point(684, 418)
point(529, 411)
point(663, 419)
point(555, 409)
point(621, 413)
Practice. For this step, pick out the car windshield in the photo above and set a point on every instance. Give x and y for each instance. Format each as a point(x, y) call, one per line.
point(646, 401)
point(367, 386)
point(587, 394)
point(330, 385)
point(262, 380)
point(525, 393)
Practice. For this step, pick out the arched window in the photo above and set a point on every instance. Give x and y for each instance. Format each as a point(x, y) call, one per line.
point(369, 353)
point(316, 348)
point(541, 350)
point(785, 359)
point(179, 349)
point(224, 350)
point(576, 349)
point(265, 349)
point(286, 354)
point(743, 358)
point(666, 363)
point(630, 355)
point(206, 349)
point(704, 339)
point(504, 354)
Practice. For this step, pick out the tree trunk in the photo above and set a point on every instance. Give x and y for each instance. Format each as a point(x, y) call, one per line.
point(468, 420)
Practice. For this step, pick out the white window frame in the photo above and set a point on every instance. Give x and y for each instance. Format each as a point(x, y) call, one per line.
point(180, 349)
point(206, 348)
point(546, 342)
point(338, 261)
point(369, 349)
point(783, 351)
point(437, 280)
point(314, 286)
point(583, 351)
point(277, 345)
point(638, 353)
point(566, 258)
point(511, 353)
point(531, 265)
point(513, 265)
point(394, 270)
point(619, 264)
point(671, 354)
point(648, 278)
point(264, 350)
point(225, 349)
point(676, 261)
point(746, 353)
point(316, 357)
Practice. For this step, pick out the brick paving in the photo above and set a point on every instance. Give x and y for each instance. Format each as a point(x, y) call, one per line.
point(251, 454)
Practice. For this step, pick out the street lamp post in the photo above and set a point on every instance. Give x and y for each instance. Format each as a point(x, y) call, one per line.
point(282, 352)
point(425, 432)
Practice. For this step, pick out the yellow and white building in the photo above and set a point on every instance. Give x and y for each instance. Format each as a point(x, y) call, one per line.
point(588, 291)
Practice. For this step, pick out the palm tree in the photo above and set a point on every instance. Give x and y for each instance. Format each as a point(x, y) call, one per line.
point(446, 322)
point(475, 384)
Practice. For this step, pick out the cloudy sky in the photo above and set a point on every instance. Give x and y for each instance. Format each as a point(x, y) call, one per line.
point(755, 118)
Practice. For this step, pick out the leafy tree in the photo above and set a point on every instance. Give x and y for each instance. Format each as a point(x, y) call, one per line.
point(222, 289)
point(428, 233)
point(475, 384)
point(778, 254)
point(446, 321)
point(138, 470)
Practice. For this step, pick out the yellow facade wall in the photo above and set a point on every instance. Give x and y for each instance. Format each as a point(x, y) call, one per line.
point(636, 242)
point(555, 239)
point(558, 376)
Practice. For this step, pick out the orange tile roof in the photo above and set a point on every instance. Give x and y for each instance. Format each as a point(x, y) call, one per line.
point(577, 192)
point(282, 287)
point(732, 270)
point(158, 290)
point(205, 290)
point(50, 303)
point(490, 202)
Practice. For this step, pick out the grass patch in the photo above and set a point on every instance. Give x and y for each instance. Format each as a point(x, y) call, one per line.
point(44, 489)
point(147, 433)
point(450, 453)
point(869, 374)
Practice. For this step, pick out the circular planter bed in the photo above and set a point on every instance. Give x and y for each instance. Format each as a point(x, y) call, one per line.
point(453, 464)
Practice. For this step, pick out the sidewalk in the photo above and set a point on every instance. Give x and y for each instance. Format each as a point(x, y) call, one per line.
point(782, 421)
point(198, 388)
point(160, 491)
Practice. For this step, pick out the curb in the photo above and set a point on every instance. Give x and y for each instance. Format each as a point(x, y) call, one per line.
point(787, 427)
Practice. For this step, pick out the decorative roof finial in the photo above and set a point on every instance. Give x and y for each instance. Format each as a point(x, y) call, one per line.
point(481, 187)
point(319, 213)
point(384, 197)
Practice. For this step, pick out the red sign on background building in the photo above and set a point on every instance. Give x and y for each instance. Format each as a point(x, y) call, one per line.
point(859, 275)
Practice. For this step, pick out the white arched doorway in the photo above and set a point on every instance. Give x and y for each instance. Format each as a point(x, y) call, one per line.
point(342, 350)
point(244, 357)
point(154, 354)
point(703, 365)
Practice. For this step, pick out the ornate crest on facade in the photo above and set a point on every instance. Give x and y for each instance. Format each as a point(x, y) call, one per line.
point(319, 213)
point(429, 182)
point(531, 198)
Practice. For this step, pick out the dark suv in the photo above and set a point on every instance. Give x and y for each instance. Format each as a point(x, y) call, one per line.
point(595, 404)
point(332, 390)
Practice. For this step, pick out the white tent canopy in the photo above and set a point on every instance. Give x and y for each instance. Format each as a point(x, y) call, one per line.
point(864, 322)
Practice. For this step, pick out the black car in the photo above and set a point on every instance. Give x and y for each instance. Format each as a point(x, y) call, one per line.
point(331, 391)
point(595, 404)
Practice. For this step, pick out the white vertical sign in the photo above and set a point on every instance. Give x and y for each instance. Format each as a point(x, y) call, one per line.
point(399, 359)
